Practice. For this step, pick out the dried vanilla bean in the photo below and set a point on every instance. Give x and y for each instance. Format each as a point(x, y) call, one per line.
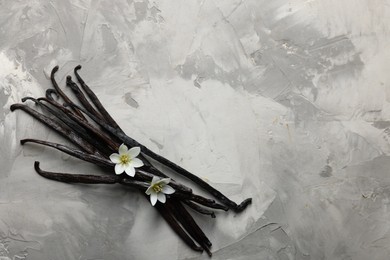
point(83, 100)
point(89, 179)
point(92, 158)
point(74, 178)
point(60, 92)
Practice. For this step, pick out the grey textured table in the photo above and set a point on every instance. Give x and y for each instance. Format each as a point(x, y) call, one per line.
point(284, 101)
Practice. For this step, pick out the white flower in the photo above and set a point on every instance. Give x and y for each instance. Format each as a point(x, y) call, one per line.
point(126, 160)
point(158, 188)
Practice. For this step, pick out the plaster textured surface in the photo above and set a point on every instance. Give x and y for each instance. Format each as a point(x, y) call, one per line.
point(284, 101)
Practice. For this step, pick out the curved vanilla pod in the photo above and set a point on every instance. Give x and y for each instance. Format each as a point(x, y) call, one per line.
point(49, 93)
point(74, 178)
point(60, 92)
point(89, 179)
point(81, 97)
point(92, 158)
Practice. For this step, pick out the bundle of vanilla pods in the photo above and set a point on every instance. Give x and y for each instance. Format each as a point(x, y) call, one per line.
point(125, 160)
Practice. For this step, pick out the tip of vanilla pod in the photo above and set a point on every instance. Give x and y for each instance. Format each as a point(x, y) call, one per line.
point(36, 165)
point(14, 107)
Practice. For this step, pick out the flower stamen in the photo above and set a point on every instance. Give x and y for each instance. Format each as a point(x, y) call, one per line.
point(157, 188)
point(125, 159)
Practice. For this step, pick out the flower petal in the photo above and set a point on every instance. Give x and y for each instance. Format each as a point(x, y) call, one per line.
point(149, 190)
point(119, 168)
point(136, 163)
point(165, 181)
point(168, 189)
point(161, 197)
point(154, 180)
point(130, 171)
point(134, 152)
point(153, 198)
point(115, 158)
point(123, 149)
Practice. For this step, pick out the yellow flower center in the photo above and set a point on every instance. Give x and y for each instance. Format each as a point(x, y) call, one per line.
point(124, 159)
point(157, 188)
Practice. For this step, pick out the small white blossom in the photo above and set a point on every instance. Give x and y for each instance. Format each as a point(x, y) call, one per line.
point(126, 160)
point(158, 188)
